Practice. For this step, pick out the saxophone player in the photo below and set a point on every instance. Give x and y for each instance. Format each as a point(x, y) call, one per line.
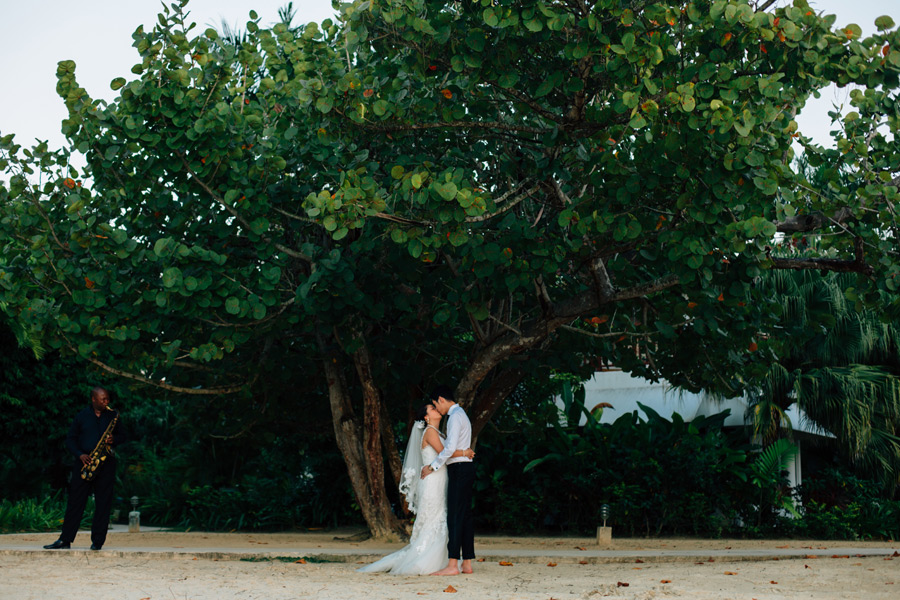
point(94, 432)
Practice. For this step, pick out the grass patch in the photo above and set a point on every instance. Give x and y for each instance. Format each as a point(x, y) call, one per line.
point(286, 559)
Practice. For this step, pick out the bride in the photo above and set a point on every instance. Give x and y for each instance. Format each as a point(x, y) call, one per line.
point(427, 498)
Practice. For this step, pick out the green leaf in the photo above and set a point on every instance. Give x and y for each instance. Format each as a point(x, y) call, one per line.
point(416, 180)
point(884, 22)
point(458, 238)
point(490, 17)
point(534, 25)
point(508, 80)
point(233, 306)
point(637, 121)
point(172, 277)
point(117, 83)
point(324, 104)
point(259, 226)
point(544, 88)
point(162, 247)
point(475, 40)
point(397, 172)
point(447, 191)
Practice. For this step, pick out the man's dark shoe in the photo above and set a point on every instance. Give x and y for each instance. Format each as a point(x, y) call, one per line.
point(58, 545)
point(95, 547)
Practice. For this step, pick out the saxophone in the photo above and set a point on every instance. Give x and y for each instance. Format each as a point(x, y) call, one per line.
point(100, 452)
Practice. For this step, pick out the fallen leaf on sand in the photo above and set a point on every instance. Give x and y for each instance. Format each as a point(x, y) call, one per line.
point(811, 556)
point(582, 562)
point(805, 566)
point(450, 589)
point(480, 560)
point(774, 582)
point(551, 564)
point(895, 554)
point(621, 584)
point(782, 546)
point(504, 563)
point(579, 548)
point(730, 573)
point(840, 556)
point(301, 561)
point(638, 561)
point(665, 581)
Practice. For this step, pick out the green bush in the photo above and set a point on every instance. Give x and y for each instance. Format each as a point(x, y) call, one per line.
point(43, 514)
point(839, 505)
point(657, 476)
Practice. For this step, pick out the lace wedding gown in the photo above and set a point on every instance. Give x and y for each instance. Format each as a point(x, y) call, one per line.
point(427, 549)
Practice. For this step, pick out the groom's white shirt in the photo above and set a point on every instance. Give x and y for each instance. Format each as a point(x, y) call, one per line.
point(459, 435)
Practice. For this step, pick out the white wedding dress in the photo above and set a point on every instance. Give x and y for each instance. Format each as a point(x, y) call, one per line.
point(427, 549)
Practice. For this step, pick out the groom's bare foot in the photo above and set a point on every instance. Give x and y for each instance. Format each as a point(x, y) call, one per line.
point(467, 567)
point(448, 570)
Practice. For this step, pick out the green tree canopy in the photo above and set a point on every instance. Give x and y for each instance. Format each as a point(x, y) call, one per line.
point(441, 190)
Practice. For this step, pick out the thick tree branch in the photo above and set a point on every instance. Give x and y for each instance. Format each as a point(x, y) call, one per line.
point(514, 343)
point(506, 208)
point(812, 222)
point(857, 265)
point(214, 391)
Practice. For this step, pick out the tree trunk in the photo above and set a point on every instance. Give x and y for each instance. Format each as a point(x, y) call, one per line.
point(360, 443)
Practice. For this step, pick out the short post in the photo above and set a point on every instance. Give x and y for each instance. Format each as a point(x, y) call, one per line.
point(604, 533)
point(134, 517)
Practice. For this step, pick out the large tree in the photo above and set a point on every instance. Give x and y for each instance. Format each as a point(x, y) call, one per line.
point(445, 190)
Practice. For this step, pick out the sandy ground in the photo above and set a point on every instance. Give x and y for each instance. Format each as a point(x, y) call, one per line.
point(124, 570)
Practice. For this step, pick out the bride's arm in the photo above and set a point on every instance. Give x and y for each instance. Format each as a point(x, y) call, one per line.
point(434, 440)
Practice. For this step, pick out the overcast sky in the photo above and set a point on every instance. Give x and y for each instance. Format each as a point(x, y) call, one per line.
point(96, 34)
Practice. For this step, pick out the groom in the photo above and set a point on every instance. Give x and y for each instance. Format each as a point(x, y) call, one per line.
point(461, 472)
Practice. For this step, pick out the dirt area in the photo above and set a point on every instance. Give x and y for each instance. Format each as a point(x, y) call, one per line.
point(129, 569)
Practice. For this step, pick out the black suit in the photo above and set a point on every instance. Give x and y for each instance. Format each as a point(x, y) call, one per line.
point(86, 430)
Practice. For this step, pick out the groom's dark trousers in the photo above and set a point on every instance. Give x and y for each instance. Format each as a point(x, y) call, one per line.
point(459, 510)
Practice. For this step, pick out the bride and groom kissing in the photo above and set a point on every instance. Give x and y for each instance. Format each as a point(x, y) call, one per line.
point(437, 480)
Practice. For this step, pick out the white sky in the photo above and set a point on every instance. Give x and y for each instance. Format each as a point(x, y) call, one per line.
point(96, 34)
